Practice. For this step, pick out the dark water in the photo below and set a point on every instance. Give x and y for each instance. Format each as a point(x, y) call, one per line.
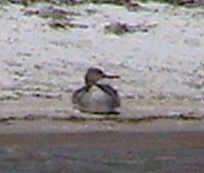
point(103, 152)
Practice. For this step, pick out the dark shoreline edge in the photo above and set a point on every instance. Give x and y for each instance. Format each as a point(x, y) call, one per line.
point(101, 138)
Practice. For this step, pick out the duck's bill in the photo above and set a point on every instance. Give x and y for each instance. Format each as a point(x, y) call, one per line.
point(111, 76)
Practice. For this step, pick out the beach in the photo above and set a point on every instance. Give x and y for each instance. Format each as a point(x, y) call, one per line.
point(158, 51)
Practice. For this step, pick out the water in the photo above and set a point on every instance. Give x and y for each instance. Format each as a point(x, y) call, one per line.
point(103, 152)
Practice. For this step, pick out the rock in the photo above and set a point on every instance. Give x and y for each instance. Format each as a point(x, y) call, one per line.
point(120, 28)
point(22, 2)
point(50, 11)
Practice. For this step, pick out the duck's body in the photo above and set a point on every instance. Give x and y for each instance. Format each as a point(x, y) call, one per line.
point(96, 98)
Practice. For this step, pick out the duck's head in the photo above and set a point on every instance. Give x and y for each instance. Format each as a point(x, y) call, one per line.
point(95, 74)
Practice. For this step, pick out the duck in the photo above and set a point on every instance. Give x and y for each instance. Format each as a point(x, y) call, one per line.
point(96, 97)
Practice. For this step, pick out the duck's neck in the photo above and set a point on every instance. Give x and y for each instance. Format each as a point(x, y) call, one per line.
point(89, 84)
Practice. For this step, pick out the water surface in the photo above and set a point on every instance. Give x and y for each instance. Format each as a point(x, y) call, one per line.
point(114, 152)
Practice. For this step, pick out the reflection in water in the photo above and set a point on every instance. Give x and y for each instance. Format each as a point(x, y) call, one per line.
point(164, 155)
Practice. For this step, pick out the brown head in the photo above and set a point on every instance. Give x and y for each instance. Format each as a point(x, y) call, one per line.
point(95, 74)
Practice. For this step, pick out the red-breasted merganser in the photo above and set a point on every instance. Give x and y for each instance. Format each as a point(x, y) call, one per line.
point(95, 97)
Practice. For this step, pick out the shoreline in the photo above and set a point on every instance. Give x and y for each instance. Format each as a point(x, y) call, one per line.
point(39, 115)
point(54, 127)
point(87, 138)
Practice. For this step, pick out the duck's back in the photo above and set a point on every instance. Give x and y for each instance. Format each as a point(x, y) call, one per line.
point(109, 90)
point(78, 95)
